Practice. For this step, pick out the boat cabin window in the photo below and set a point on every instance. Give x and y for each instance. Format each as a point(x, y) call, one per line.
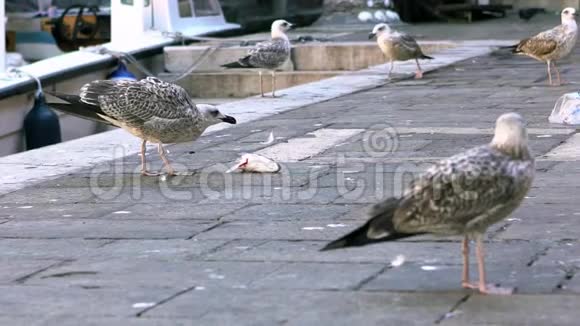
point(198, 8)
point(130, 2)
point(185, 8)
point(206, 8)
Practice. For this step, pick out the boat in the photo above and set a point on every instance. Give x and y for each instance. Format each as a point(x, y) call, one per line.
point(66, 47)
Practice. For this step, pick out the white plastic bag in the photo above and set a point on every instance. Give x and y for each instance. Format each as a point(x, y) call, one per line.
point(567, 109)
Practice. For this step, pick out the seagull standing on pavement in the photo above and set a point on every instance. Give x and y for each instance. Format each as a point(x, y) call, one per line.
point(151, 109)
point(461, 195)
point(398, 46)
point(553, 44)
point(268, 55)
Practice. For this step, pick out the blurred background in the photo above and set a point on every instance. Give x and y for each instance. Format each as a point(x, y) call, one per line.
point(44, 34)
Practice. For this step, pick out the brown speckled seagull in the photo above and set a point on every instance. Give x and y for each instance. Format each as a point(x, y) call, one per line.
point(398, 46)
point(461, 195)
point(553, 44)
point(151, 109)
point(269, 54)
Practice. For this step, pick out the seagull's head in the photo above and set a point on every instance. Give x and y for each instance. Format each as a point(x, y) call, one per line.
point(281, 26)
point(510, 133)
point(212, 115)
point(379, 29)
point(568, 14)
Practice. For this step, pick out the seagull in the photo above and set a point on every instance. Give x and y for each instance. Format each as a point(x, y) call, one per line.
point(551, 45)
point(268, 54)
point(461, 195)
point(151, 109)
point(397, 46)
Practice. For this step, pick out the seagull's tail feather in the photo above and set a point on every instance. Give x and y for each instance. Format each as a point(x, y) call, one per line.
point(242, 63)
point(426, 57)
point(232, 65)
point(378, 229)
point(514, 48)
point(76, 107)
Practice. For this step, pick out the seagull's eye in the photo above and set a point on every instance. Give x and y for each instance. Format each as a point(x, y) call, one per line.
point(214, 113)
point(566, 12)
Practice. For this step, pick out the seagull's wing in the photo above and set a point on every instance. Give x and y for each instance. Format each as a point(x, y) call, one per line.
point(269, 54)
point(471, 190)
point(139, 102)
point(541, 44)
point(405, 46)
point(409, 43)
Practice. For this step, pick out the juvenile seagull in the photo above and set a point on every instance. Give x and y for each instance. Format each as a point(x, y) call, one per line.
point(553, 44)
point(151, 109)
point(461, 195)
point(397, 46)
point(268, 54)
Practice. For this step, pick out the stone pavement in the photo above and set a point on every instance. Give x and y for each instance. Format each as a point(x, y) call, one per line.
point(104, 246)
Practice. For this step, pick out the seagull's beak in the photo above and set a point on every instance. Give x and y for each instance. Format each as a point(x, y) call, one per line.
point(291, 26)
point(575, 14)
point(229, 119)
point(371, 35)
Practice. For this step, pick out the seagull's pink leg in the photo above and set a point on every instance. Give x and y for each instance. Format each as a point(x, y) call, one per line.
point(170, 170)
point(465, 275)
point(391, 69)
point(261, 87)
point(143, 163)
point(549, 72)
point(273, 83)
point(483, 287)
point(557, 73)
point(419, 73)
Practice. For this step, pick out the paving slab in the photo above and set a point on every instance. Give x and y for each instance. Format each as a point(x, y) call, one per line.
point(443, 278)
point(558, 310)
point(56, 210)
point(67, 320)
point(160, 249)
point(286, 212)
point(179, 211)
point(316, 276)
point(18, 269)
point(40, 302)
point(55, 249)
point(307, 307)
point(100, 229)
point(128, 272)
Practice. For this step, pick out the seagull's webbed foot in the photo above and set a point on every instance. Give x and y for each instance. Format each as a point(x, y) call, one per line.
point(467, 285)
point(482, 286)
point(495, 290)
point(419, 75)
point(488, 288)
point(149, 174)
